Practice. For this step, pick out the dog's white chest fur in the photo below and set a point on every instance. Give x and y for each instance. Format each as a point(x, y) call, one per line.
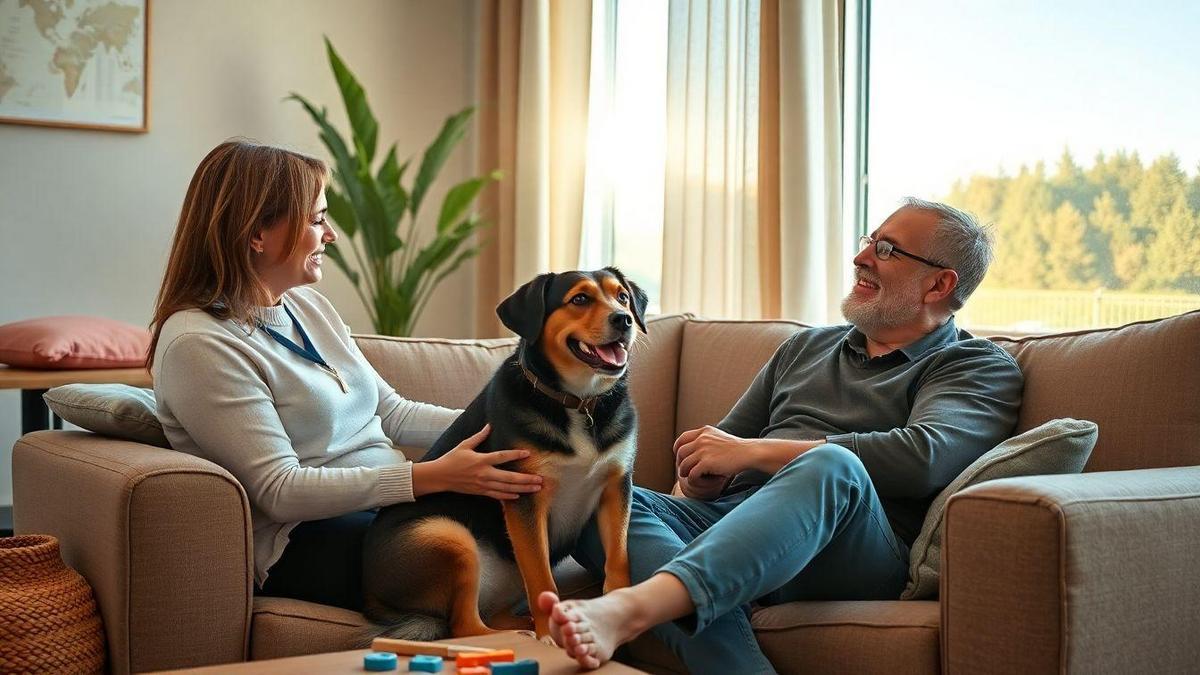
point(582, 477)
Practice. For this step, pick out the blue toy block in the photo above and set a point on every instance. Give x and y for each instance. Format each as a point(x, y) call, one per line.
point(380, 661)
point(425, 663)
point(522, 667)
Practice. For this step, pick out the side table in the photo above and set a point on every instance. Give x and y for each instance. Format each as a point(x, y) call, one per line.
point(35, 415)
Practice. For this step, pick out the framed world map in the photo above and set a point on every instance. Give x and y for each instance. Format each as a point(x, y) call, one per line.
point(75, 63)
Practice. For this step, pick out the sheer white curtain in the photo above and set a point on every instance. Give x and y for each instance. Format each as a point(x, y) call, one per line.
point(552, 121)
point(710, 229)
point(533, 91)
point(753, 223)
point(747, 187)
point(815, 245)
point(623, 195)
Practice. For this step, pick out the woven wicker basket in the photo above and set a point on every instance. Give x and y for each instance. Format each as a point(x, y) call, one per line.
point(48, 617)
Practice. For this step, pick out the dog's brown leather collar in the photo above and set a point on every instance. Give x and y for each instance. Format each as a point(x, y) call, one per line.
point(587, 406)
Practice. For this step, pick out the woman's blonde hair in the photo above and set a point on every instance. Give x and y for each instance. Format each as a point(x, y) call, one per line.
point(240, 188)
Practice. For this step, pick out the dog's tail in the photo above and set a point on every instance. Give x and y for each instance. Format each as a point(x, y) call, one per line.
point(404, 625)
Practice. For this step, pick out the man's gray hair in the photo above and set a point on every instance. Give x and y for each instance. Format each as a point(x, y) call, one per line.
point(961, 243)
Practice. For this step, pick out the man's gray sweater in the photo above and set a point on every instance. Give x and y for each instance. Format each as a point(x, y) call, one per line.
point(916, 416)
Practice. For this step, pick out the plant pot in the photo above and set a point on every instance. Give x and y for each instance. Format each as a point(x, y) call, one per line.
point(48, 617)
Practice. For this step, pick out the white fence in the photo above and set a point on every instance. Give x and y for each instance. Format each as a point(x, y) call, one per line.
point(1065, 310)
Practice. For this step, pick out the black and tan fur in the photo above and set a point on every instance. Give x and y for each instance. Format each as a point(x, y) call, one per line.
point(452, 564)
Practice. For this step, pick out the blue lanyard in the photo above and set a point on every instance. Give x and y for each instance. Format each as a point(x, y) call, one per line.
point(308, 351)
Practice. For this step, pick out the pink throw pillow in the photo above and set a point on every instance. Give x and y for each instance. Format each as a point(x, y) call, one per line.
point(64, 342)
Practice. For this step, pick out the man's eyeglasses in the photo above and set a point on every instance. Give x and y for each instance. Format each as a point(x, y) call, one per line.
point(884, 250)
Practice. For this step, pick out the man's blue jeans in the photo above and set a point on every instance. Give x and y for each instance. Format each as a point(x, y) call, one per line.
point(814, 531)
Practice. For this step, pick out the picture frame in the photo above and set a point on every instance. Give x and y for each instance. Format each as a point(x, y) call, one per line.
point(78, 65)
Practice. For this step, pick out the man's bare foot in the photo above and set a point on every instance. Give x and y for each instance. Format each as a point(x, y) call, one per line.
point(546, 602)
point(591, 630)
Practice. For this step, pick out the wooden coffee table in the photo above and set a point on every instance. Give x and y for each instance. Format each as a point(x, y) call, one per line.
point(551, 661)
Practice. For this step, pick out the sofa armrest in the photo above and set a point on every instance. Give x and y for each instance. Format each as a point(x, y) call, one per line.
point(162, 537)
point(1079, 573)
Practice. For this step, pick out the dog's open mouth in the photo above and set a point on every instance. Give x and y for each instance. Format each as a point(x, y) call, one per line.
point(609, 357)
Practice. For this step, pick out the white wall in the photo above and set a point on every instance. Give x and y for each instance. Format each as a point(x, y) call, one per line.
point(86, 217)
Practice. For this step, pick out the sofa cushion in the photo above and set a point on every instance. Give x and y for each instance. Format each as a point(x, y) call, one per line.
point(1117, 377)
point(654, 388)
point(67, 342)
point(861, 637)
point(1056, 447)
point(717, 363)
point(435, 370)
point(286, 627)
point(116, 410)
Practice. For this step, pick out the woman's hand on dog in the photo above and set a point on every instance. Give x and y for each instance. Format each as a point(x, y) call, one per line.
point(475, 473)
point(706, 458)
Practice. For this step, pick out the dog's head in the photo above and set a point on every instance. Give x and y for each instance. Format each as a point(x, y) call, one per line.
point(582, 322)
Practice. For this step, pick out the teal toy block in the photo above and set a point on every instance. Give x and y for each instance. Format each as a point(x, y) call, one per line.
point(522, 667)
point(380, 661)
point(425, 663)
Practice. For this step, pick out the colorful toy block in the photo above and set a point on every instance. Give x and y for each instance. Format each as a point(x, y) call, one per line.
point(522, 667)
point(483, 658)
point(379, 661)
point(425, 663)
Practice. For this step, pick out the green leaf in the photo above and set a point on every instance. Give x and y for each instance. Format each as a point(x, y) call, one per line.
point(395, 198)
point(458, 261)
point(362, 121)
point(434, 255)
point(345, 165)
point(460, 197)
point(342, 212)
point(335, 254)
point(378, 229)
point(391, 171)
point(435, 156)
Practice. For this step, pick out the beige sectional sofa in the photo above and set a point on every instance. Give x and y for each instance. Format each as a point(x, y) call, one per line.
point(1085, 573)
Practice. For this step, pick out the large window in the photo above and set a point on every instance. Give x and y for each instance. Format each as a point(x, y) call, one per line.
point(1069, 125)
point(626, 145)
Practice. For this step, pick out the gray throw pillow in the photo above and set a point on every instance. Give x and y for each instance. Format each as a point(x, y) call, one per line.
point(1056, 447)
point(117, 410)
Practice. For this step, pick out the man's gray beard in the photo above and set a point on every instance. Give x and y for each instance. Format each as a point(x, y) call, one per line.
point(877, 314)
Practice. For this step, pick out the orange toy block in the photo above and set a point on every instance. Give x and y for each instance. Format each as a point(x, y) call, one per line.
point(483, 658)
point(474, 670)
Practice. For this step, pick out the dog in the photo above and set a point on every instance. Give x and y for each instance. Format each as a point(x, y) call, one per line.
point(439, 567)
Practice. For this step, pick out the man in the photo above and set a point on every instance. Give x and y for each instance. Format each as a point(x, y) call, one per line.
point(815, 485)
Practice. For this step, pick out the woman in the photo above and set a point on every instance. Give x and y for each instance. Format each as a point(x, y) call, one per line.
point(257, 373)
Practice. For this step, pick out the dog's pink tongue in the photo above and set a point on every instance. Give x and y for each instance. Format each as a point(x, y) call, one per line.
point(613, 354)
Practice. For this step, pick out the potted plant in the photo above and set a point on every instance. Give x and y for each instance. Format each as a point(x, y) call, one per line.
point(394, 275)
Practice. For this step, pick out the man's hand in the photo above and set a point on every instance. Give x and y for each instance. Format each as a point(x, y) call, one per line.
point(706, 458)
point(704, 488)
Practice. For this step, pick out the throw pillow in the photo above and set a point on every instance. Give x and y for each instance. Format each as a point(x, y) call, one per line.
point(117, 410)
point(65, 342)
point(1056, 447)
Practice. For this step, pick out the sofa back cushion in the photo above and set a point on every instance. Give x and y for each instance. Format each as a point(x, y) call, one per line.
point(654, 387)
point(718, 361)
point(435, 370)
point(1140, 383)
point(452, 372)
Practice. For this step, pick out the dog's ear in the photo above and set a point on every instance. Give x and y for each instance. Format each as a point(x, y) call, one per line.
point(524, 311)
point(638, 297)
